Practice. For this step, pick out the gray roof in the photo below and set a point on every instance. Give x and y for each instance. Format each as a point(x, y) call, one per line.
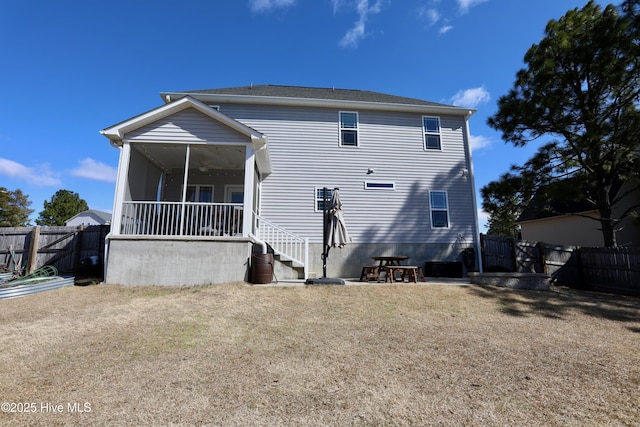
point(104, 216)
point(313, 93)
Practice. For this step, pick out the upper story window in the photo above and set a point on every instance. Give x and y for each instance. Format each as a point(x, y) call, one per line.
point(431, 131)
point(348, 129)
point(439, 209)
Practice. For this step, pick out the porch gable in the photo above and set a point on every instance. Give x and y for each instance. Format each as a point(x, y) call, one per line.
point(190, 121)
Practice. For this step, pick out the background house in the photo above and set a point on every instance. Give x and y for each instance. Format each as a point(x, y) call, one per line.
point(211, 173)
point(89, 217)
point(569, 223)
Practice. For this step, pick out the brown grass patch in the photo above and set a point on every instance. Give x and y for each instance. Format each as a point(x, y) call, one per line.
point(346, 355)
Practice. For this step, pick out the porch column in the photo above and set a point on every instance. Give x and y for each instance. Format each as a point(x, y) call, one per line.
point(185, 181)
point(121, 183)
point(249, 176)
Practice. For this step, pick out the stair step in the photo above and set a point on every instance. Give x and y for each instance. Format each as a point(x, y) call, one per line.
point(292, 263)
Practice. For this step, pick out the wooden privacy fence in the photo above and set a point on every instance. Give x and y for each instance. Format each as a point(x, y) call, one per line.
point(71, 250)
point(614, 270)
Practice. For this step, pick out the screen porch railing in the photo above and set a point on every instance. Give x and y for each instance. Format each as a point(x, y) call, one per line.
point(181, 219)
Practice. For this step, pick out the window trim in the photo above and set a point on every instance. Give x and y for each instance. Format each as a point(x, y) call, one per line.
point(446, 209)
point(341, 128)
point(379, 185)
point(427, 133)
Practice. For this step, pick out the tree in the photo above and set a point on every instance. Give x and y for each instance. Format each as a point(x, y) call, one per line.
point(582, 90)
point(63, 205)
point(14, 208)
point(504, 200)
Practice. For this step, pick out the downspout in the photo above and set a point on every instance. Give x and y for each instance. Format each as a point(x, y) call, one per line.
point(473, 194)
point(261, 243)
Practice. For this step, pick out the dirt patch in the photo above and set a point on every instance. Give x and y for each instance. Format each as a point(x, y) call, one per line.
point(348, 355)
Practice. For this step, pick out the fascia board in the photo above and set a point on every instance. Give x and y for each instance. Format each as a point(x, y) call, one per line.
point(326, 103)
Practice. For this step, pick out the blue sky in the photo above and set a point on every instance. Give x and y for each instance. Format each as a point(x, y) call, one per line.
point(71, 68)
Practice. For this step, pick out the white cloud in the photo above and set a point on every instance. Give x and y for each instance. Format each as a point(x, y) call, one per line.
point(465, 5)
point(479, 142)
point(358, 32)
point(258, 6)
point(471, 97)
point(41, 176)
point(432, 16)
point(91, 169)
point(445, 29)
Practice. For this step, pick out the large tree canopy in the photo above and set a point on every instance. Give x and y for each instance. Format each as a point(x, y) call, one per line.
point(63, 206)
point(14, 208)
point(582, 90)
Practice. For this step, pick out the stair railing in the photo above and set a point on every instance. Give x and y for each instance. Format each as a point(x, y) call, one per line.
point(284, 243)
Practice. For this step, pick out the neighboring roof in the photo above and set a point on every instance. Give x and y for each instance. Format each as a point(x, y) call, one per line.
point(549, 209)
point(104, 216)
point(309, 96)
point(544, 205)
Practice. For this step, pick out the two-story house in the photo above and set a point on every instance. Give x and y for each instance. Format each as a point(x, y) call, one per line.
point(210, 174)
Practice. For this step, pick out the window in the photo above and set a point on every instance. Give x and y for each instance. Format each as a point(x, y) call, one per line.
point(369, 185)
point(234, 193)
point(320, 198)
point(431, 130)
point(199, 193)
point(348, 129)
point(439, 209)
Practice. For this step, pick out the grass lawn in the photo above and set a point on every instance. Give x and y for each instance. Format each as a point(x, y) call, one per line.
point(326, 355)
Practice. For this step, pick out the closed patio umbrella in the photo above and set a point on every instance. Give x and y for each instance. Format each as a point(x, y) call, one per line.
point(334, 234)
point(337, 235)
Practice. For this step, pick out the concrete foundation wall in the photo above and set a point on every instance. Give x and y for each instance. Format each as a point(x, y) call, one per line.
point(193, 261)
point(175, 262)
point(347, 262)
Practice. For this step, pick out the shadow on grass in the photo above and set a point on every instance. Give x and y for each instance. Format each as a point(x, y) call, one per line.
point(556, 304)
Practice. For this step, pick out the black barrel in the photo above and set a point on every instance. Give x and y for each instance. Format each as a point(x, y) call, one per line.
point(261, 268)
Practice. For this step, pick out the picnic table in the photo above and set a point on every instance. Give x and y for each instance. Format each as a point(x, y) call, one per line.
point(390, 260)
point(391, 265)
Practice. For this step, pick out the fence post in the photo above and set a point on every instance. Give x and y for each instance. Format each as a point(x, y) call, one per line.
point(543, 258)
point(580, 265)
point(483, 259)
point(32, 261)
point(77, 249)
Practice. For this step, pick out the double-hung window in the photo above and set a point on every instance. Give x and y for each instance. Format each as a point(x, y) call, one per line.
point(439, 209)
point(348, 129)
point(320, 196)
point(200, 193)
point(431, 131)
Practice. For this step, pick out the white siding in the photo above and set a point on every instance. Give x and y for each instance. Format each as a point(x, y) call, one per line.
point(305, 152)
point(188, 126)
